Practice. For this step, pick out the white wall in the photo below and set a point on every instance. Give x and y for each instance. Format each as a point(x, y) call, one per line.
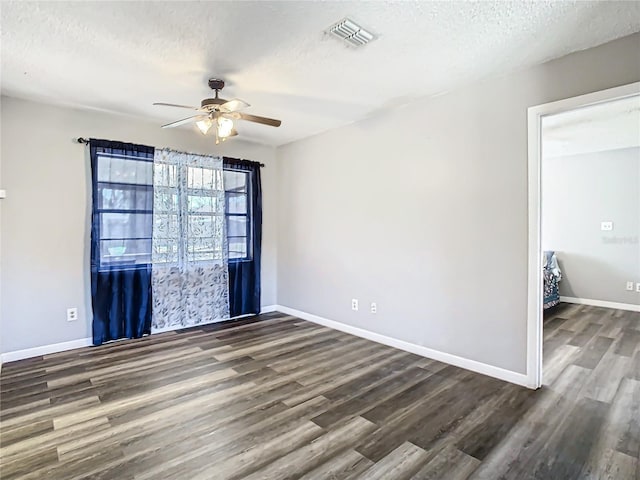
point(423, 209)
point(45, 227)
point(579, 192)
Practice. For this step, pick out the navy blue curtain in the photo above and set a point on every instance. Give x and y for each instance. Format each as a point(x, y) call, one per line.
point(244, 232)
point(121, 230)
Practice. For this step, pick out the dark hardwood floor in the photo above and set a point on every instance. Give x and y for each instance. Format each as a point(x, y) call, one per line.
point(276, 397)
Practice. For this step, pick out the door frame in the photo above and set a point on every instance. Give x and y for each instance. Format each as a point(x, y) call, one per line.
point(534, 290)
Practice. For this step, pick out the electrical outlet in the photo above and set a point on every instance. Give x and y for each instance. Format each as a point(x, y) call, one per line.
point(638, 287)
point(72, 314)
point(374, 307)
point(354, 304)
point(630, 286)
point(606, 226)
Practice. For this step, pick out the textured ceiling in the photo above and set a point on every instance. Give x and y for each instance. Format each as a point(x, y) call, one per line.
point(596, 128)
point(123, 56)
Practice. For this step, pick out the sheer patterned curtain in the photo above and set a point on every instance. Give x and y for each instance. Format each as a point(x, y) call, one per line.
point(190, 278)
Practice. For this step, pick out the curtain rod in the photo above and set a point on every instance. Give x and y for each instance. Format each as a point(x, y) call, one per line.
point(243, 160)
point(86, 142)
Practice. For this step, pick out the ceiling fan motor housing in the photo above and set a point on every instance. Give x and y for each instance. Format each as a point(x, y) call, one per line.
point(209, 102)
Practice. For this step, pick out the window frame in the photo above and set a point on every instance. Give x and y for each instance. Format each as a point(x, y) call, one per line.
point(99, 210)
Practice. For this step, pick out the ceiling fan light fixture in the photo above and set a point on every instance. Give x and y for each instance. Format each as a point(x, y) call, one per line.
point(204, 125)
point(224, 127)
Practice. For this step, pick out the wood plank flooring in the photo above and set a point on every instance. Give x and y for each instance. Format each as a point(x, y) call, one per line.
point(275, 397)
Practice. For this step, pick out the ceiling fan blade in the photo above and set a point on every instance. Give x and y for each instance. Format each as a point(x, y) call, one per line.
point(272, 122)
point(178, 106)
point(184, 120)
point(233, 105)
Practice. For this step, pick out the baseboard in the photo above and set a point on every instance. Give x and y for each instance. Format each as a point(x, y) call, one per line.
point(46, 349)
point(269, 309)
point(474, 366)
point(601, 303)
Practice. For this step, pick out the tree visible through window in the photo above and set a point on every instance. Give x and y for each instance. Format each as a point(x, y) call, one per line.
point(238, 214)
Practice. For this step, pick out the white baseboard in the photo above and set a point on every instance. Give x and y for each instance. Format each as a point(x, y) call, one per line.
point(474, 366)
point(601, 303)
point(46, 349)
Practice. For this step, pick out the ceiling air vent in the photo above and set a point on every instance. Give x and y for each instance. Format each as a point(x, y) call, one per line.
point(351, 33)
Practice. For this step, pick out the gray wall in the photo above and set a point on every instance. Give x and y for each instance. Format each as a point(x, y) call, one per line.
point(45, 219)
point(423, 209)
point(579, 192)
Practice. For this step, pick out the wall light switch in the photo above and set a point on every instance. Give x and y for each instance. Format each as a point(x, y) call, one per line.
point(606, 226)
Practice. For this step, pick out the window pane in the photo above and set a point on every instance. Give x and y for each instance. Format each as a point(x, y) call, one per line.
point(200, 245)
point(238, 247)
point(203, 179)
point(125, 252)
point(125, 225)
point(165, 175)
point(194, 178)
point(207, 179)
point(236, 226)
point(165, 250)
point(124, 197)
point(200, 226)
point(199, 249)
point(201, 256)
point(166, 226)
point(166, 201)
point(235, 181)
point(236, 202)
point(124, 170)
point(202, 204)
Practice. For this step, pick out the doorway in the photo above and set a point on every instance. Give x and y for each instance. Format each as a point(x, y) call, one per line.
point(566, 138)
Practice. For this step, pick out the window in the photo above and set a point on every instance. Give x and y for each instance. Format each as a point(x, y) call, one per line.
point(238, 214)
point(125, 210)
point(188, 213)
point(124, 206)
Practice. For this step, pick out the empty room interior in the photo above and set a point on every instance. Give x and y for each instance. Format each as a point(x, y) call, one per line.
point(320, 240)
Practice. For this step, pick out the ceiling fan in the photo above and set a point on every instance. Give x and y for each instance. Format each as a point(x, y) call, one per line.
point(219, 114)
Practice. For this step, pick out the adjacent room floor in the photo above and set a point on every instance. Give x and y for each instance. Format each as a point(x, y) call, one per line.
point(276, 397)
